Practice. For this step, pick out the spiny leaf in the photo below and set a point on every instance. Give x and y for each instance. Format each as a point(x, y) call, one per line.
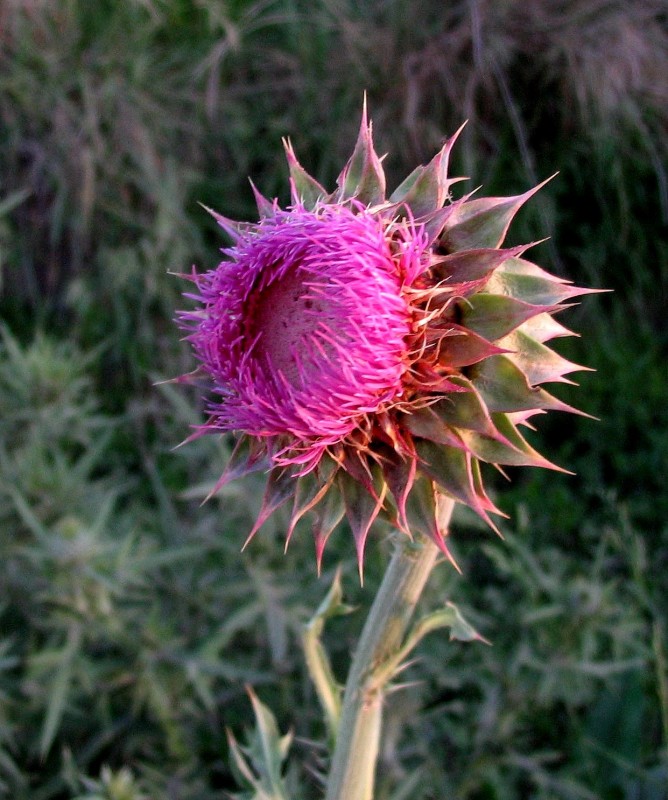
point(509, 448)
point(504, 387)
point(495, 315)
point(407, 184)
point(305, 189)
point(248, 456)
point(452, 470)
point(427, 424)
point(434, 222)
point(460, 629)
point(399, 474)
point(482, 222)
point(280, 488)
point(274, 746)
point(309, 491)
point(540, 364)
point(357, 466)
point(326, 518)
point(317, 661)
point(425, 515)
point(473, 267)
point(431, 380)
point(461, 347)
point(544, 327)
point(363, 177)
point(265, 207)
point(239, 762)
point(234, 230)
point(332, 605)
point(259, 763)
point(465, 409)
point(421, 508)
point(520, 266)
point(426, 189)
point(448, 617)
point(361, 510)
point(526, 281)
point(479, 487)
point(508, 428)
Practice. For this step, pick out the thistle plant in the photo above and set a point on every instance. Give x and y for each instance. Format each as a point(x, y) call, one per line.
point(370, 351)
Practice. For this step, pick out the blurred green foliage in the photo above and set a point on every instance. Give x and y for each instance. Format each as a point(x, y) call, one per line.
point(129, 620)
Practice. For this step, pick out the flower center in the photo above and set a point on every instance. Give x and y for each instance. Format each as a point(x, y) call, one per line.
point(284, 319)
point(305, 326)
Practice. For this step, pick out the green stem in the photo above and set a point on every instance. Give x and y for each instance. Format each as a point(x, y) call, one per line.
point(356, 752)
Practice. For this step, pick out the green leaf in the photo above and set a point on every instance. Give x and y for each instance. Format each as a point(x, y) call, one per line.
point(317, 661)
point(59, 690)
point(258, 764)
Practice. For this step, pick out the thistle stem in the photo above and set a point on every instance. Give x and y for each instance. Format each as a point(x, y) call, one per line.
point(354, 762)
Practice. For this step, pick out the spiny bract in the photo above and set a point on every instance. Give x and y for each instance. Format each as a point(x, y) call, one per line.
point(372, 351)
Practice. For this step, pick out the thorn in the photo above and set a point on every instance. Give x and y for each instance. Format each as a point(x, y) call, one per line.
point(360, 563)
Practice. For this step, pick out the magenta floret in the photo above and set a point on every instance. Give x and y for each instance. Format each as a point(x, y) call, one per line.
point(304, 327)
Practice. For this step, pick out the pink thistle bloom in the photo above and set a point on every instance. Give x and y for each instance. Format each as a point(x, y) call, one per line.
point(371, 352)
point(303, 328)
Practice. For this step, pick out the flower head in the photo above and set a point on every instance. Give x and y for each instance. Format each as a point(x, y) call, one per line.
point(371, 351)
point(305, 328)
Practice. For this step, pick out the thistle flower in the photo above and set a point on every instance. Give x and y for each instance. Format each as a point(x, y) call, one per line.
point(372, 351)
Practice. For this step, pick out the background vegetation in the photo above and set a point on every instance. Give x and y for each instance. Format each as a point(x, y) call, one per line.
point(129, 621)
